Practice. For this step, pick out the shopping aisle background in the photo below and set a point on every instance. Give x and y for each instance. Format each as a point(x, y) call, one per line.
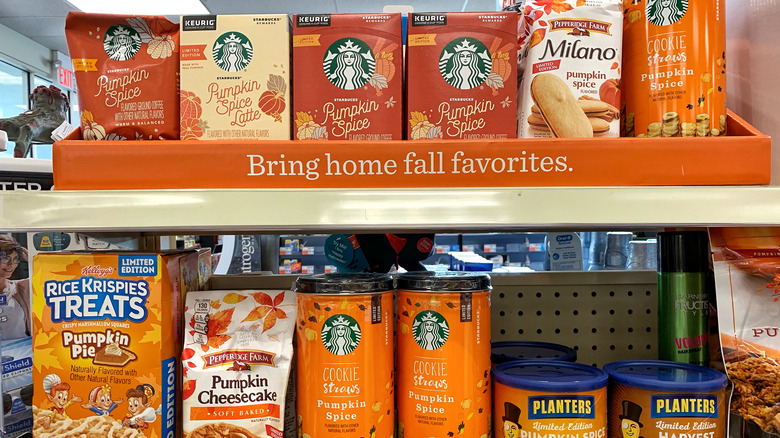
point(753, 63)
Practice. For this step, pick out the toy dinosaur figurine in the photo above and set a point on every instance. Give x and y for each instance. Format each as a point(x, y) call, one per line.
point(49, 109)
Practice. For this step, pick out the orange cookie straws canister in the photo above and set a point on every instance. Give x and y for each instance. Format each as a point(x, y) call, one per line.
point(443, 354)
point(344, 341)
point(674, 79)
point(653, 398)
point(536, 398)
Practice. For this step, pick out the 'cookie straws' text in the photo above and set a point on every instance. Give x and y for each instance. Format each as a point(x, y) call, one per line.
point(90, 298)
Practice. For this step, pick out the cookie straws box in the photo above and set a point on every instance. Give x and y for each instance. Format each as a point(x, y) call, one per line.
point(461, 75)
point(235, 73)
point(348, 72)
point(106, 335)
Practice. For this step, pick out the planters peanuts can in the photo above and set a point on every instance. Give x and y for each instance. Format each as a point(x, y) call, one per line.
point(659, 399)
point(508, 351)
point(344, 356)
point(535, 399)
point(443, 354)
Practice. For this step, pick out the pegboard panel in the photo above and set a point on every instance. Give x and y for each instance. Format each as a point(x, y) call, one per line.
point(604, 315)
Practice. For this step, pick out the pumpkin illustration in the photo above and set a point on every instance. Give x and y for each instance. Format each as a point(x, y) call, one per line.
point(421, 129)
point(306, 130)
point(161, 47)
point(385, 65)
point(501, 65)
point(191, 129)
point(272, 102)
point(91, 130)
point(609, 92)
point(190, 105)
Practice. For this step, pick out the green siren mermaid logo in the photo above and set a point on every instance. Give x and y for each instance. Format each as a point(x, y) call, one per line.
point(665, 12)
point(349, 63)
point(430, 330)
point(465, 63)
point(121, 42)
point(340, 334)
point(232, 51)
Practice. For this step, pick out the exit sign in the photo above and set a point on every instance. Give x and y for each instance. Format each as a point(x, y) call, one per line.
point(65, 77)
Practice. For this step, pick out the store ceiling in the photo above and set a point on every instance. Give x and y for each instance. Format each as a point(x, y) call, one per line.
point(44, 20)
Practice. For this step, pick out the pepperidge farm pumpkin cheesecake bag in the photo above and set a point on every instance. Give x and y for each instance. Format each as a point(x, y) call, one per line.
point(235, 73)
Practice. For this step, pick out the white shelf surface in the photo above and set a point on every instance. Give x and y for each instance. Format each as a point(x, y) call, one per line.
point(381, 210)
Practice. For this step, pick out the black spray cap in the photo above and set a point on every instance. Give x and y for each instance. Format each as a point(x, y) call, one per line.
point(683, 251)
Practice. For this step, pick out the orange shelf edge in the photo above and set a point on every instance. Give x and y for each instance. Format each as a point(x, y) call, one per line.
point(742, 158)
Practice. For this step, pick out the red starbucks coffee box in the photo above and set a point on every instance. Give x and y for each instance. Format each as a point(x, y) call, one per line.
point(461, 75)
point(347, 70)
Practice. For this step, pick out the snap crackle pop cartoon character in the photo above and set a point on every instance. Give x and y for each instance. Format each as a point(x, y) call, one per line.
point(511, 420)
point(57, 391)
point(100, 401)
point(630, 425)
point(140, 412)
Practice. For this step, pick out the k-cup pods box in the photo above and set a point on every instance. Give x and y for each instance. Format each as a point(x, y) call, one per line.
point(675, 68)
point(235, 77)
point(344, 341)
point(107, 339)
point(571, 69)
point(663, 399)
point(443, 326)
point(237, 358)
point(348, 76)
point(127, 70)
point(534, 398)
point(461, 75)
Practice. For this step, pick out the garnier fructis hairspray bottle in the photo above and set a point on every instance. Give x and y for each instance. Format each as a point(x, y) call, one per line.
point(683, 300)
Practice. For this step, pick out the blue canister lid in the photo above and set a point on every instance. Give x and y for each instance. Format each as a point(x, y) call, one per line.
point(550, 376)
point(659, 375)
point(506, 351)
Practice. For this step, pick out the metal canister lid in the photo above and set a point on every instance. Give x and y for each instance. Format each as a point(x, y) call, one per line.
point(450, 281)
point(659, 375)
point(344, 283)
point(550, 376)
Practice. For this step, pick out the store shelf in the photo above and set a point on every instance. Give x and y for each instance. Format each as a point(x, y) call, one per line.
point(354, 210)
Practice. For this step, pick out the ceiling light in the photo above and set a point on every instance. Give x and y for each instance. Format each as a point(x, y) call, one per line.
point(141, 7)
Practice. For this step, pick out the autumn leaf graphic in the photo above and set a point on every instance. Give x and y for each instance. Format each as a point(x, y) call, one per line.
point(233, 298)
point(188, 389)
point(218, 325)
point(551, 6)
point(536, 37)
point(267, 308)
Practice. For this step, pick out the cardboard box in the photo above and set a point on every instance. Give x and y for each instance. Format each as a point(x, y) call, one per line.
point(461, 75)
point(348, 73)
point(106, 327)
point(235, 77)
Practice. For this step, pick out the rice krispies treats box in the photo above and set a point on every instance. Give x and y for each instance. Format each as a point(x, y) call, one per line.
point(106, 336)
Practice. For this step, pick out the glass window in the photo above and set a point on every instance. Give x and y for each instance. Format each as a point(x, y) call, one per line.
point(13, 96)
point(41, 150)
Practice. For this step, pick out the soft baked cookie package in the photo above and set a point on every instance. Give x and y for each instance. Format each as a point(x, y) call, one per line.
point(236, 363)
point(570, 79)
point(106, 335)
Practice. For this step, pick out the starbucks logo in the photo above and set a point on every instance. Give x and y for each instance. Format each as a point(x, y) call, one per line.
point(340, 334)
point(232, 51)
point(349, 63)
point(465, 63)
point(665, 12)
point(430, 330)
point(121, 42)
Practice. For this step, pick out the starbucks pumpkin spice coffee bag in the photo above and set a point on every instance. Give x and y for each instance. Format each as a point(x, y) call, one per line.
point(127, 69)
point(348, 76)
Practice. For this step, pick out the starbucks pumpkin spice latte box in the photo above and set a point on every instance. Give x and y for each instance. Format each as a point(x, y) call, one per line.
point(106, 336)
point(348, 76)
point(461, 75)
point(235, 77)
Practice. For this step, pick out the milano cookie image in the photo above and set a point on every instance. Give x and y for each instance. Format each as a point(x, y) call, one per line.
point(559, 108)
point(598, 125)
